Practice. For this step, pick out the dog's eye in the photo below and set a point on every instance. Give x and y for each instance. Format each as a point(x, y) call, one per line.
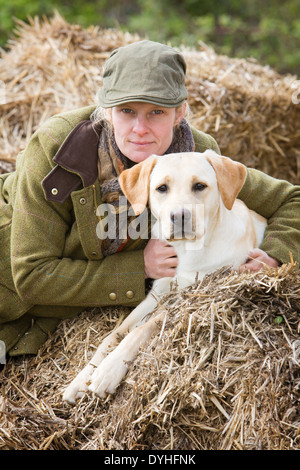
point(162, 189)
point(199, 186)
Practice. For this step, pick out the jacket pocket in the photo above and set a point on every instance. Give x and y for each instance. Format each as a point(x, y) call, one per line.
point(84, 204)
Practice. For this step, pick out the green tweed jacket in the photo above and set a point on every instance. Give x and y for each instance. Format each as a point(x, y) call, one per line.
point(50, 256)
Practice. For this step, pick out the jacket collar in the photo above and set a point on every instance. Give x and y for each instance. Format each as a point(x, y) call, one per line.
point(79, 152)
point(77, 163)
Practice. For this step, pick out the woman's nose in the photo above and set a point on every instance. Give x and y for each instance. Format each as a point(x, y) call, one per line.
point(140, 125)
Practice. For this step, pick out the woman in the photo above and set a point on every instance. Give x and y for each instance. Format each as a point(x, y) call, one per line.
point(53, 263)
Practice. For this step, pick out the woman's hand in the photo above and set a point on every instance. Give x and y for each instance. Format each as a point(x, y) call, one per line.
point(257, 259)
point(160, 259)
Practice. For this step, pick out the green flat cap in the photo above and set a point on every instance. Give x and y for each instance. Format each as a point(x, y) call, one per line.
point(144, 71)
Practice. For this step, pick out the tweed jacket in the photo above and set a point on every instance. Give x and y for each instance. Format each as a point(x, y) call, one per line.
point(51, 261)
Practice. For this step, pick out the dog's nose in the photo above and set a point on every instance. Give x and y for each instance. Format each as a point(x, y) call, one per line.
point(180, 217)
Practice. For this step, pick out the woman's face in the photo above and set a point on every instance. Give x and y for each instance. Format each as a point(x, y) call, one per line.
point(143, 129)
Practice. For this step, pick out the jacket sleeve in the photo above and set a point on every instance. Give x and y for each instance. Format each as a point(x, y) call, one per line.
point(279, 202)
point(41, 273)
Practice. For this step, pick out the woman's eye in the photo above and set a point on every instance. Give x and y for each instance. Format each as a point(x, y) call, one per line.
point(157, 111)
point(199, 187)
point(162, 189)
point(126, 110)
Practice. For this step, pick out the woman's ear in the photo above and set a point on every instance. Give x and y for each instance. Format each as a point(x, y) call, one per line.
point(180, 113)
point(108, 114)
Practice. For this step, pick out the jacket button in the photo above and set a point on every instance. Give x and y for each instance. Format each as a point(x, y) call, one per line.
point(82, 201)
point(54, 191)
point(112, 296)
point(129, 294)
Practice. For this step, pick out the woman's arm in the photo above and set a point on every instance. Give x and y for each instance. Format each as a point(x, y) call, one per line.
point(279, 202)
point(40, 239)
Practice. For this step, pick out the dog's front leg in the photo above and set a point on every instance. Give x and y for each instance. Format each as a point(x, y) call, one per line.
point(79, 385)
point(114, 367)
point(137, 317)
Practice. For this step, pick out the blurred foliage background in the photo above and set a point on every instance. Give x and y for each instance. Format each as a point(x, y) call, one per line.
point(268, 30)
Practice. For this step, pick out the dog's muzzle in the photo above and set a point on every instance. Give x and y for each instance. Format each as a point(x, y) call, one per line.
point(182, 224)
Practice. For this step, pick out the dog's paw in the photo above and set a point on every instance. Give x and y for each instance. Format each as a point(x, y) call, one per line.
point(108, 376)
point(79, 386)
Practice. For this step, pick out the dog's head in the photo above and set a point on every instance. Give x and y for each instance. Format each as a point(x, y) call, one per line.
point(185, 191)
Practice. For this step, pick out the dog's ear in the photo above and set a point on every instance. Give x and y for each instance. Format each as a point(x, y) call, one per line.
point(135, 183)
point(231, 176)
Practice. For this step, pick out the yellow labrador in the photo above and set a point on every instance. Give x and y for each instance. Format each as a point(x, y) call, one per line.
point(193, 199)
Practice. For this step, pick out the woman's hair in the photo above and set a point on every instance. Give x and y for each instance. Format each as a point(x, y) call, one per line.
point(99, 115)
point(99, 118)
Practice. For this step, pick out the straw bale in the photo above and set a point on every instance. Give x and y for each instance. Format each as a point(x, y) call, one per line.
point(222, 374)
point(52, 66)
point(249, 109)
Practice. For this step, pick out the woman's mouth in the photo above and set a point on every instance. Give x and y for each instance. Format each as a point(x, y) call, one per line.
point(141, 144)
